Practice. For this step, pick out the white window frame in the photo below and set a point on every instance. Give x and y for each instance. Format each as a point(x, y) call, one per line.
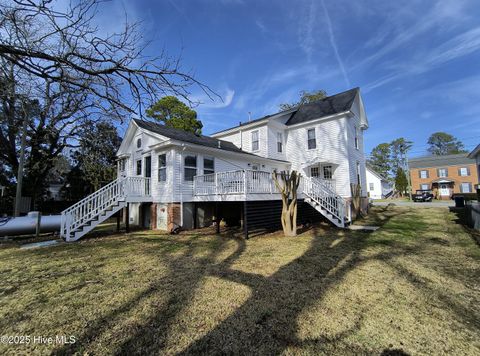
point(162, 168)
point(469, 185)
point(329, 170)
point(422, 175)
point(371, 186)
point(359, 178)
point(314, 139)
point(422, 186)
point(463, 170)
point(279, 142)
point(208, 170)
point(138, 168)
point(185, 167)
point(356, 137)
point(255, 141)
point(442, 173)
point(316, 170)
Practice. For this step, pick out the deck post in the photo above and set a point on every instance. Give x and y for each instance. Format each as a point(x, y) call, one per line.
point(245, 222)
point(127, 218)
point(217, 219)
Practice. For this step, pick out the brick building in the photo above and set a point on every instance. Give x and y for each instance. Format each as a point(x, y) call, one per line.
point(444, 175)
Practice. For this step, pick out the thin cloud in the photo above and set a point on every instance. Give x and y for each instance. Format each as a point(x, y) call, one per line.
point(459, 46)
point(334, 45)
point(305, 32)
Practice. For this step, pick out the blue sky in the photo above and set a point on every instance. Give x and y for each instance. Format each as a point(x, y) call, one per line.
point(417, 62)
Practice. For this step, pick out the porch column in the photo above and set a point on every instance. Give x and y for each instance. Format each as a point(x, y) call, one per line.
point(127, 218)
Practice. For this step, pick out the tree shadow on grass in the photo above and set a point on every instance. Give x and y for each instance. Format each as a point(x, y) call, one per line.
point(267, 321)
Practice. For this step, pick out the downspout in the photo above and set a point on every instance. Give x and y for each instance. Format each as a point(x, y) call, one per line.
point(181, 188)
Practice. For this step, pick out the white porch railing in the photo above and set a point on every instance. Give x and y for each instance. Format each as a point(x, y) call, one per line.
point(328, 183)
point(234, 182)
point(327, 198)
point(91, 207)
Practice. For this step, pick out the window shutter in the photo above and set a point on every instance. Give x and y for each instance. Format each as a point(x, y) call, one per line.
point(428, 173)
point(438, 172)
point(419, 173)
point(446, 172)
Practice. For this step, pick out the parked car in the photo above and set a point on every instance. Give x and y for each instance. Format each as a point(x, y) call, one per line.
point(422, 196)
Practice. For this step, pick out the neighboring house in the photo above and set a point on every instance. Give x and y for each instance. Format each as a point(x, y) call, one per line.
point(170, 178)
point(475, 155)
point(444, 175)
point(378, 187)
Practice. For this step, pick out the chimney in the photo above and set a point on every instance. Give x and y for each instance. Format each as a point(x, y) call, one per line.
point(219, 144)
point(249, 116)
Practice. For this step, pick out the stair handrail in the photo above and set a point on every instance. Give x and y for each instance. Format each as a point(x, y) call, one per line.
point(327, 198)
point(91, 205)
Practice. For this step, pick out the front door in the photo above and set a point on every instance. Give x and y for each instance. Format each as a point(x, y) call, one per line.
point(148, 173)
point(148, 167)
point(444, 190)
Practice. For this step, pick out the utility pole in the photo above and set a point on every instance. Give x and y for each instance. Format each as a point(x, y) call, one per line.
point(407, 173)
point(18, 195)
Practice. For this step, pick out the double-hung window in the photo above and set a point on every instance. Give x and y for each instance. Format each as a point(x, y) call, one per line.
point(314, 172)
point(371, 186)
point(162, 168)
point(208, 165)
point(356, 136)
point(279, 142)
point(442, 172)
point(255, 144)
point(463, 171)
point(139, 167)
point(423, 174)
point(327, 172)
point(189, 168)
point(465, 187)
point(424, 186)
point(311, 140)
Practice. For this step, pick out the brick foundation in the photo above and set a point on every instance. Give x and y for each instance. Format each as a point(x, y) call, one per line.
point(173, 212)
point(153, 216)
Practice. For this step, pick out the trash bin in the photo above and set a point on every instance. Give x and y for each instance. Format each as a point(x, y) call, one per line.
point(459, 201)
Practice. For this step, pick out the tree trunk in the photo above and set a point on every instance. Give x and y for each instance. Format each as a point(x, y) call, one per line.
point(287, 185)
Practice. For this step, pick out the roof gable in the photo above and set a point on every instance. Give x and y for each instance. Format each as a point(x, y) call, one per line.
point(328, 106)
point(189, 137)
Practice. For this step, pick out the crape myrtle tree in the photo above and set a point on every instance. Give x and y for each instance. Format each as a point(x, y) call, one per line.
point(287, 185)
point(58, 69)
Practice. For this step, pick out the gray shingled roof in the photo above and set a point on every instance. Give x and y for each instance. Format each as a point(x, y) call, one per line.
point(189, 137)
point(439, 161)
point(331, 105)
point(185, 136)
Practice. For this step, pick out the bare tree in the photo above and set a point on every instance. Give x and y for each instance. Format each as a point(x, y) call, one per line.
point(287, 184)
point(59, 63)
point(66, 47)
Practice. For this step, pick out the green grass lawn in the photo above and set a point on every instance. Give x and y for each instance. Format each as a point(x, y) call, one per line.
point(413, 285)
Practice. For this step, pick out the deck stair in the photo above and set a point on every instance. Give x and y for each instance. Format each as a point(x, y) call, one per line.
point(88, 213)
point(325, 200)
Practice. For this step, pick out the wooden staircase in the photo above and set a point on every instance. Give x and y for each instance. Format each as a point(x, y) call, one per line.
point(325, 200)
point(88, 213)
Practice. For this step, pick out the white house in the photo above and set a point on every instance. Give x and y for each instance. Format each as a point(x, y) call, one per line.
point(378, 186)
point(169, 178)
